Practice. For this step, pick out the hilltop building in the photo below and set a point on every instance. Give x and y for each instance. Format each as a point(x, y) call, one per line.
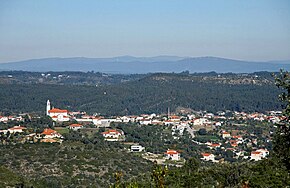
point(75, 127)
point(172, 155)
point(56, 114)
point(113, 135)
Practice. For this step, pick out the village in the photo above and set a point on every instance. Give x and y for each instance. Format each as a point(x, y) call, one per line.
point(219, 136)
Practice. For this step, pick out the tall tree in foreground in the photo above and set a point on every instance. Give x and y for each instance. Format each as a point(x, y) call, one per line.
point(282, 136)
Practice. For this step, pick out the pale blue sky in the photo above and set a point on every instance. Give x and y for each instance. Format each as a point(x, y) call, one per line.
point(239, 29)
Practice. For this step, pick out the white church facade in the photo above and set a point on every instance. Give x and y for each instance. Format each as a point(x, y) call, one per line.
point(56, 114)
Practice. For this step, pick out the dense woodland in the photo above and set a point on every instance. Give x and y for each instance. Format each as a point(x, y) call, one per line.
point(85, 159)
point(153, 93)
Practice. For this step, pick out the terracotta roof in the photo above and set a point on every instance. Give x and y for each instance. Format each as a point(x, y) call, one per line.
point(75, 125)
point(206, 154)
point(111, 131)
point(48, 131)
point(17, 128)
point(174, 117)
point(56, 110)
point(255, 152)
point(215, 145)
point(171, 152)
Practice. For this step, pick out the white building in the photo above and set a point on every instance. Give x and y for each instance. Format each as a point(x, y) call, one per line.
point(56, 114)
point(3, 119)
point(208, 157)
point(172, 155)
point(137, 148)
point(145, 121)
point(259, 154)
point(75, 126)
point(200, 121)
point(48, 107)
point(16, 129)
point(49, 133)
point(112, 135)
point(226, 135)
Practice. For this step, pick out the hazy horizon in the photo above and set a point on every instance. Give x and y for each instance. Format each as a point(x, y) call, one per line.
point(182, 57)
point(243, 30)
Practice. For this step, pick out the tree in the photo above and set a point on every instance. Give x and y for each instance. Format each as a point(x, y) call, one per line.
point(158, 175)
point(202, 131)
point(282, 136)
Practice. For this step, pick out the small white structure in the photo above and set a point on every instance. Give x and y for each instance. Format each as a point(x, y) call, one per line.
point(259, 154)
point(264, 152)
point(200, 121)
point(172, 155)
point(208, 157)
point(145, 122)
point(226, 135)
point(137, 148)
point(3, 131)
point(75, 126)
point(256, 155)
point(112, 135)
point(16, 129)
point(3, 118)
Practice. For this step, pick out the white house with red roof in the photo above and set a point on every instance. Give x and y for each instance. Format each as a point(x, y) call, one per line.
point(16, 129)
point(75, 126)
point(256, 155)
point(226, 135)
point(3, 118)
point(112, 135)
point(259, 154)
point(172, 155)
point(264, 152)
point(208, 157)
point(213, 145)
point(50, 133)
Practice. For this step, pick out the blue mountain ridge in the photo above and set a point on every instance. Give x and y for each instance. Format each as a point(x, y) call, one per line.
point(140, 65)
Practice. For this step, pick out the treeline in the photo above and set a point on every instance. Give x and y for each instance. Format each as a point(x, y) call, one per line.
point(152, 94)
point(65, 78)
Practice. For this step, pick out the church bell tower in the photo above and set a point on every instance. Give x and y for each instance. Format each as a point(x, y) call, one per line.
point(47, 107)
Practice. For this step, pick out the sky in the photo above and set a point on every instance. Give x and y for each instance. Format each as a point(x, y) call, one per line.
point(256, 30)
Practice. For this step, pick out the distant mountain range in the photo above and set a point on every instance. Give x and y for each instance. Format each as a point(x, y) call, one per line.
point(131, 65)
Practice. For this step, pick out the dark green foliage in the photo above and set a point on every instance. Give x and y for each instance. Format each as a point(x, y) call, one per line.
point(11, 179)
point(282, 136)
point(152, 94)
point(72, 163)
point(158, 175)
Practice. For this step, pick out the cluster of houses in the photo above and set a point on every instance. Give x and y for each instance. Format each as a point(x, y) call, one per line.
point(197, 118)
point(233, 141)
point(47, 135)
point(5, 119)
point(179, 124)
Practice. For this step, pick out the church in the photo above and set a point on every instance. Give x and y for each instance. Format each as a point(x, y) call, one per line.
point(56, 114)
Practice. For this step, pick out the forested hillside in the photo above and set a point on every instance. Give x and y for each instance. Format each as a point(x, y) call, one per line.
point(154, 93)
